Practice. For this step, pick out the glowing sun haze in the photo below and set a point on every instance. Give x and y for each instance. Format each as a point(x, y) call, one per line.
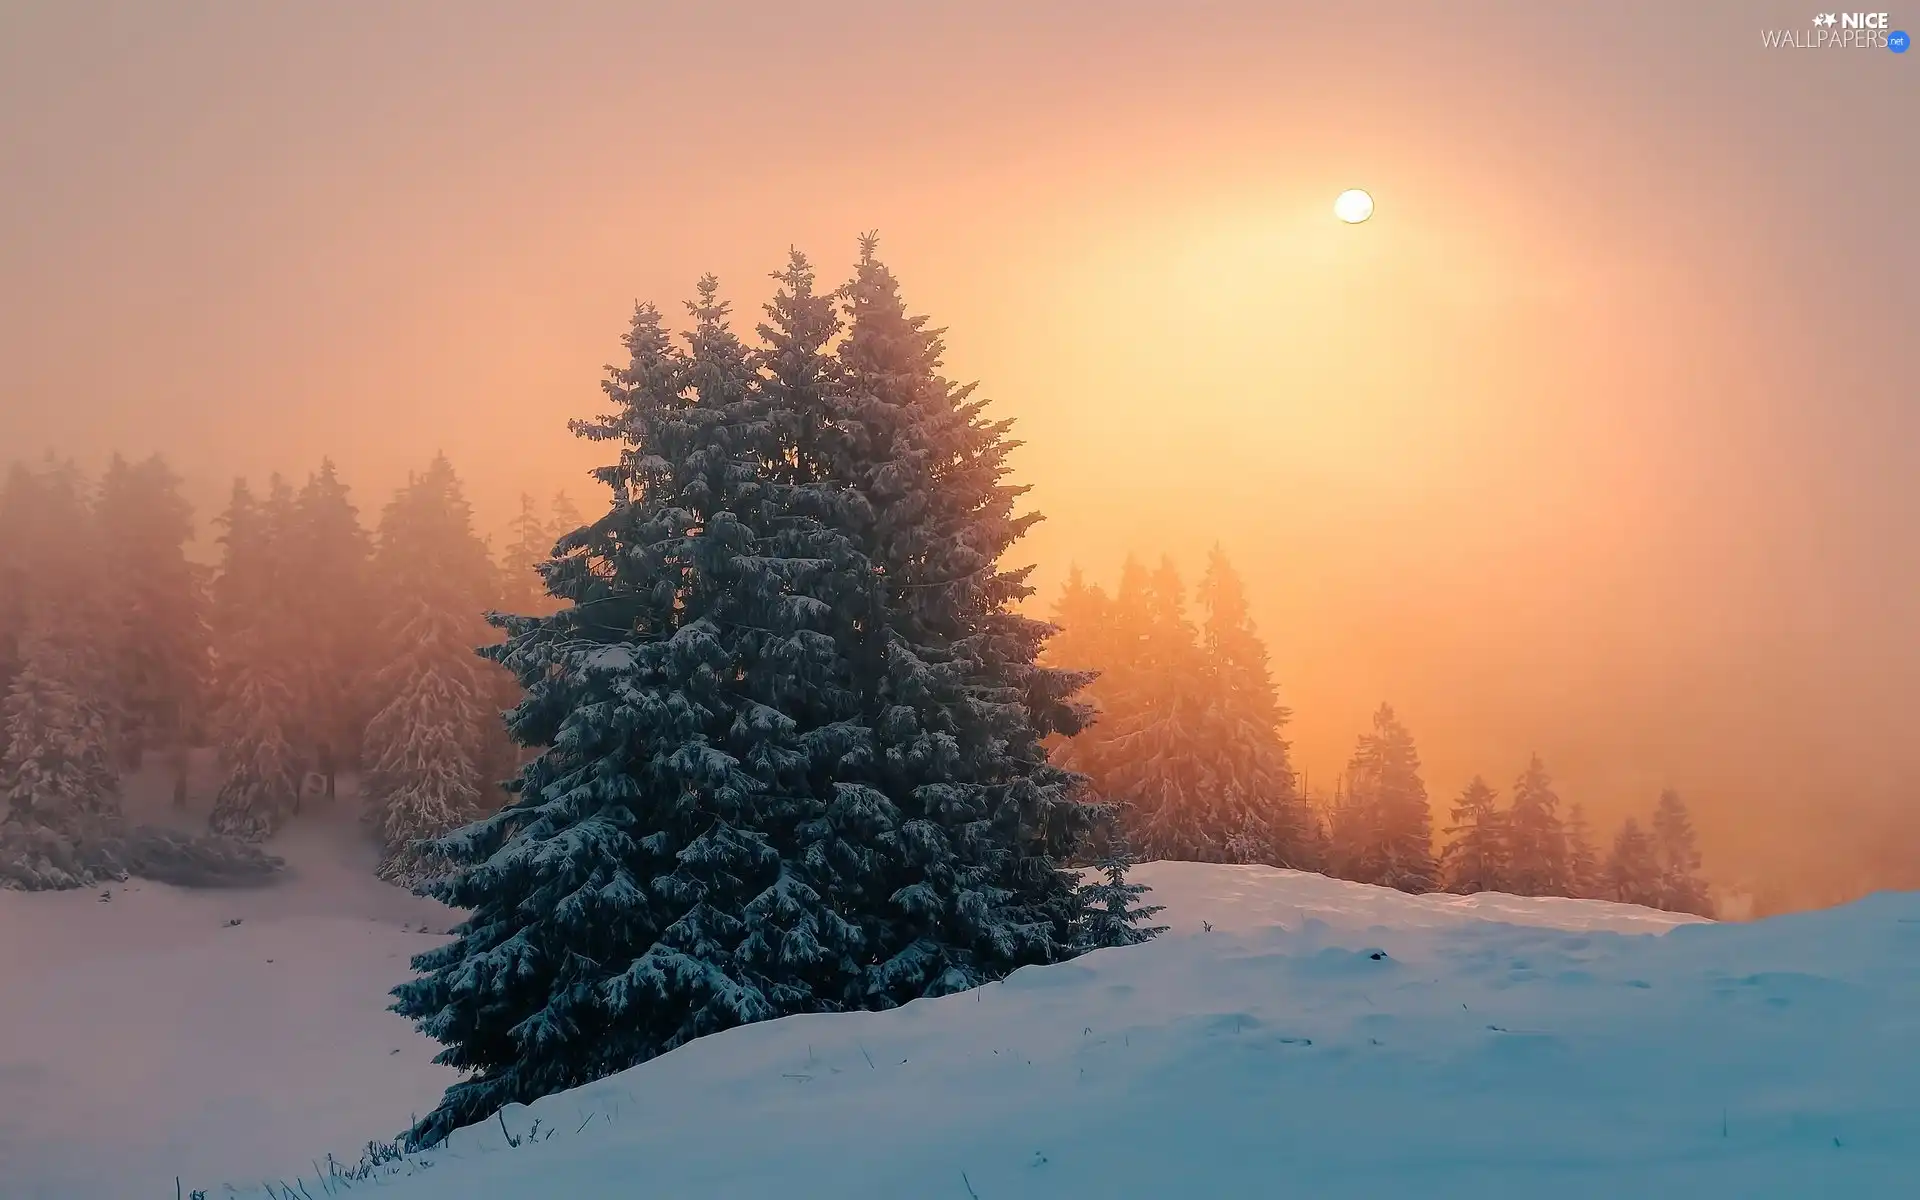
point(1571, 454)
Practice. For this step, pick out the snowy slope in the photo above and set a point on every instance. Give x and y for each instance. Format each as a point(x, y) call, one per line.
point(1439, 1055)
point(1503, 1047)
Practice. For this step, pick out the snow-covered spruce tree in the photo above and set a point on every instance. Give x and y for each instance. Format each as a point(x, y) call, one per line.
point(156, 641)
point(1083, 614)
point(1160, 774)
point(744, 806)
point(1632, 873)
point(328, 584)
point(431, 751)
point(1388, 835)
point(1257, 793)
point(957, 702)
point(1678, 856)
point(1475, 857)
point(563, 517)
point(58, 783)
point(53, 540)
point(1097, 639)
point(651, 864)
point(1536, 837)
point(1583, 861)
point(18, 508)
point(253, 670)
point(529, 543)
point(59, 772)
point(1115, 916)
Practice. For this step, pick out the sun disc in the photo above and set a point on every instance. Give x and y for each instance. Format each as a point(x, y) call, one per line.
point(1353, 206)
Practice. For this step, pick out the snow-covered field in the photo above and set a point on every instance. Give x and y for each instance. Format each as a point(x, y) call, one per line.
point(1322, 1039)
point(144, 1037)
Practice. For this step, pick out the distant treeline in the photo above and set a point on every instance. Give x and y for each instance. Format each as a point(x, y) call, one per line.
point(316, 645)
point(1187, 748)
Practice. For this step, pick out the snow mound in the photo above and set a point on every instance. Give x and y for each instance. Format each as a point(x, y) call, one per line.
point(41, 859)
point(1239, 898)
point(1319, 1041)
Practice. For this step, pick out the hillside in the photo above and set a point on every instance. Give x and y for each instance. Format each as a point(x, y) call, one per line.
point(1497, 1043)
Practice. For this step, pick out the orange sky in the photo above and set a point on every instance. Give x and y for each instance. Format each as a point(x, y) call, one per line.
point(1597, 440)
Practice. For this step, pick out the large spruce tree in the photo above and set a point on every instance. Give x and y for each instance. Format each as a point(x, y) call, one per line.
point(789, 724)
point(956, 699)
point(432, 750)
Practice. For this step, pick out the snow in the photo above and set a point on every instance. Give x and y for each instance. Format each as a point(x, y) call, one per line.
point(144, 1037)
point(1498, 1047)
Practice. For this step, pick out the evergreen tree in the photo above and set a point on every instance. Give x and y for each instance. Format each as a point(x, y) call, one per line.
point(1351, 834)
point(790, 726)
point(1475, 858)
point(563, 517)
point(157, 640)
point(1083, 617)
point(1633, 869)
point(1536, 838)
point(430, 746)
point(1094, 639)
point(530, 543)
point(328, 585)
point(253, 669)
point(55, 547)
point(1167, 792)
point(1256, 798)
point(1678, 857)
point(1115, 916)
point(1583, 862)
point(18, 510)
point(1389, 825)
point(961, 708)
point(1084, 636)
point(58, 774)
point(614, 900)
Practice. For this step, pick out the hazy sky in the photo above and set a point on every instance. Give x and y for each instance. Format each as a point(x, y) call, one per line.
point(1603, 438)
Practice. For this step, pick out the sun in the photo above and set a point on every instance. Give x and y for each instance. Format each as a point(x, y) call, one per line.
point(1353, 206)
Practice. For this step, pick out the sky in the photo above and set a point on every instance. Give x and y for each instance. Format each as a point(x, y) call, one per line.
point(1599, 440)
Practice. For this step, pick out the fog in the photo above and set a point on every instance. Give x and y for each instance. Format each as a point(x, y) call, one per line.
point(1597, 441)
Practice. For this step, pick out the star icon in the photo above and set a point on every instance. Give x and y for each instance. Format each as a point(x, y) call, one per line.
point(1823, 19)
